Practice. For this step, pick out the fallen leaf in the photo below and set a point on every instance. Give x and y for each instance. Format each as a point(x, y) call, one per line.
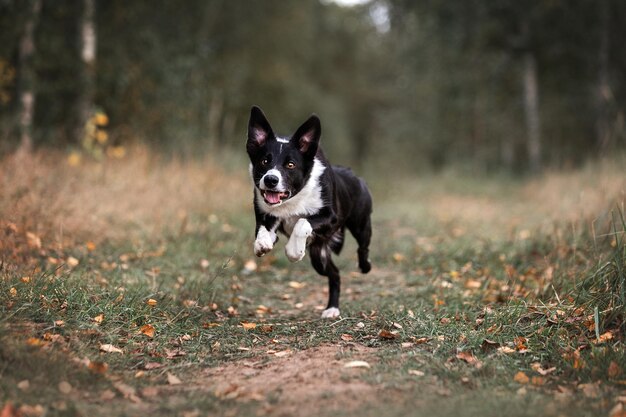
point(33, 240)
point(347, 337)
point(99, 318)
point(297, 285)
point(174, 353)
point(72, 262)
point(204, 264)
point(34, 341)
point(604, 337)
point(520, 343)
point(13, 292)
point(473, 284)
point(152, 365)
point(521, 378)
point(151, 302)
point(398, 257)
point(506, 349)
point(248, 325)
point(356, 364)
point(282, 353)
point(173, 379)
point(25, 280)
point(148, 330)
point(65, 387)
point(26, 410)
point(538, 380)
point(415, 372)
point(614, 370)
point(108, 348)
point(91, 246)
point(386, 334)
point(406, 345)
point(397, 325)
point(23, 385)
point(98, 367)
point(489, 345)
point(536, 366)
point(420, 340)
point(469, 358)
point(250, 265)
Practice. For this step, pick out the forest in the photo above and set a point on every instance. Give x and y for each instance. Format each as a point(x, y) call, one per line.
point(513, 86)
point(135, 276)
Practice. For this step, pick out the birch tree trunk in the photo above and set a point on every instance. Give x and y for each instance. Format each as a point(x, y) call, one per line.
point(531, 112)
point(26, 87)
point(87, 37)
point(603, 88)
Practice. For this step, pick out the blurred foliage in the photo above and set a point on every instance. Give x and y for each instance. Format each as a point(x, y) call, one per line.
point(415, 84)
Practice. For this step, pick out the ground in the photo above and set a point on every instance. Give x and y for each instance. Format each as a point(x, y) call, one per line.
point(130, 287)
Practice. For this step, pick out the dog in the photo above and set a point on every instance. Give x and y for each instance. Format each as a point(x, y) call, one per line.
point(298, 193)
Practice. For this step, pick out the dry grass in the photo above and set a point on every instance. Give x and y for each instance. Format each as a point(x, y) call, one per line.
point(115, 199)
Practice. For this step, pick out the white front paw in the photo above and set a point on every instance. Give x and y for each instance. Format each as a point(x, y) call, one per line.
point(264, 242)
point(331, 313)
point(296, 246)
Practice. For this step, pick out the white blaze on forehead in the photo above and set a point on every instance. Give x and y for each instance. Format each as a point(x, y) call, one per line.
point(282, 140)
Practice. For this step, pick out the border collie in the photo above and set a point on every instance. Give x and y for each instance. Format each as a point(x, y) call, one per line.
point(298, 193)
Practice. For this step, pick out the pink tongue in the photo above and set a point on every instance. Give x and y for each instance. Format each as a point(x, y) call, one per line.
point(272, 197)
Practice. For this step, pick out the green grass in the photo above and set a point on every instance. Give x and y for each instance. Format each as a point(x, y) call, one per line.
point(442, 291)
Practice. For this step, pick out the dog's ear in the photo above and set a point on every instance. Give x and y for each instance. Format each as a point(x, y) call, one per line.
point(259, 129)
point(307, 136)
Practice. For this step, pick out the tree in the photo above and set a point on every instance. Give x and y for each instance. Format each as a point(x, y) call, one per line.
point(27, 90)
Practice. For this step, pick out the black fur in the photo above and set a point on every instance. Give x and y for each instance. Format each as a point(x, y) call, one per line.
point(344, 200)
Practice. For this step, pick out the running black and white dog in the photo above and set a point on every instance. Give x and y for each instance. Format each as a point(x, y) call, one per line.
point(297, 192)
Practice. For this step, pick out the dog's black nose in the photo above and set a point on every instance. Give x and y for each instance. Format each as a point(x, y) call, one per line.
point(271, 181)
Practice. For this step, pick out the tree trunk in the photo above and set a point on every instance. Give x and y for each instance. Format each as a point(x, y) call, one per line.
point(531, 112)
point(603, 89)
point(87, 44)
point(26, 91)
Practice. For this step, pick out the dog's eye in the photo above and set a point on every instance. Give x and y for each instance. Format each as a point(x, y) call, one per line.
point(265, 161)
point(290, 165)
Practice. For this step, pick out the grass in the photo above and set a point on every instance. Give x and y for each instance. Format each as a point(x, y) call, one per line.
point(488, 296)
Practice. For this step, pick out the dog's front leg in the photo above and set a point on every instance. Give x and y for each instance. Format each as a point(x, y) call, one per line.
point(265, 235)
point(296, 246)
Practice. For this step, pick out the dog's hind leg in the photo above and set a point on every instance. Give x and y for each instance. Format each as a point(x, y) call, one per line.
point(363, 234)
point(323, 264)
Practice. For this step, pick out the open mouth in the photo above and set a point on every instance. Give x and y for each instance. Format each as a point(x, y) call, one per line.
point(275, 197)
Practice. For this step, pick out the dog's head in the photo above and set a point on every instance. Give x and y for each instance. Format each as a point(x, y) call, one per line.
point(280, 166)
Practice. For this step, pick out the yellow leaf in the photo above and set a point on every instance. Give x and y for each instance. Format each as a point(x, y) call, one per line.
point(90, 246)
point(398, 257)
point(101, 119)
point(99, 318)
point(74, 159)
point(25, 280)
point(151, 302)
point(148, 330)
point(521, 378)
point(72, 262)
point(248, 326)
